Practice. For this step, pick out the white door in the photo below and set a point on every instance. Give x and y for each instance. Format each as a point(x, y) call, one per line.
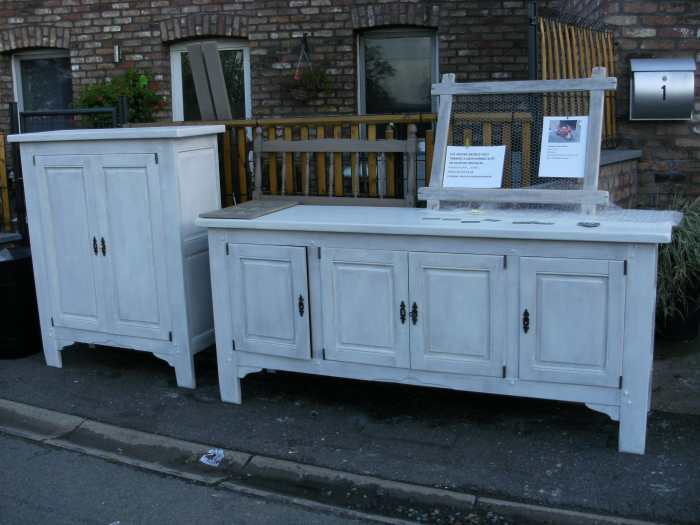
point(572, 320)
point(365, 295)
point(461, 313)
point(132, 246)
point(70, 229)
point(269, 300)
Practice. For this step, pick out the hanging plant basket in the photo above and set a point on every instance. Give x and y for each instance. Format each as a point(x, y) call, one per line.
point(309, 83)
point(309, 80)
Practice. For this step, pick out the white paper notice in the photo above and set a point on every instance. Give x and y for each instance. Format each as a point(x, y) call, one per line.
point(563, 152)
point(474, 167)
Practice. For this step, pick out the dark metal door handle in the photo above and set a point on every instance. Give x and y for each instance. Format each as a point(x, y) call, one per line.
point(301, 306)
point(414, 313)
point(526, 321)
point(94, 245)
point(103, 245)
point(402, 312)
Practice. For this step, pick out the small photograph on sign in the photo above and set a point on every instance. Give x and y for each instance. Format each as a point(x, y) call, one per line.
point(564, 131)
point(474, 167)
point(563, 151)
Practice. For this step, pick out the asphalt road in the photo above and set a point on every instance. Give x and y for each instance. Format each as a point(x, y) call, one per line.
point(45, 485)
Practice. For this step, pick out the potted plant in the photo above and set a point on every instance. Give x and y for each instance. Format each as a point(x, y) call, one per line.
point(678, 279)
point(309, 82)
point(142, 98)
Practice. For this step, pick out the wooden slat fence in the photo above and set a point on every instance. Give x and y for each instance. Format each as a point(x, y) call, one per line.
point(5, 212)
point(571, 51)
point(336, 174)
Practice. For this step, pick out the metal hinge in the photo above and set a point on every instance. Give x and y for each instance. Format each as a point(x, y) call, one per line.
point(156, 158)
point(52, 321)
point(624, 268)
point(319, 252)
point(227, 252)
point(323, 352)
point(620, 383)
point(233, 344)
point(505, 261)
point(170, 337)
point(34, 159)
point(503, 372)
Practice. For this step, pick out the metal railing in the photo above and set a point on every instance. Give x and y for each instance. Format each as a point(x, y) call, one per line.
point(5, 210)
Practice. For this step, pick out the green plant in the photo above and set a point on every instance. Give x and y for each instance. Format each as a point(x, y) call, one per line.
point(678, 279)
point(309, 82)
point(136, 86)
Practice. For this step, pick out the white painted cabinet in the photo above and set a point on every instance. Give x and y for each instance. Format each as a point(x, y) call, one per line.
point(498, 304)
point(458, 312)
point(269, 291)
point(117, 258)
point(363, 293)
point(572, 320)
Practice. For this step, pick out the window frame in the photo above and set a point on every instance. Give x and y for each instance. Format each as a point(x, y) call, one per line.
point(399, 32)
point(176, 51)
point(31, 55)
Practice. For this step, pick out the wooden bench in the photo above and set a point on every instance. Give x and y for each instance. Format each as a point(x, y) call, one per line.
point(321, 149)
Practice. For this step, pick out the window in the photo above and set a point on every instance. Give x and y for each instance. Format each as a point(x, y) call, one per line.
point(396, 69)
point(235, 60)
point(42, 80)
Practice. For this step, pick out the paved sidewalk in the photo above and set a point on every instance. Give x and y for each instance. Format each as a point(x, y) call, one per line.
point(539, 452)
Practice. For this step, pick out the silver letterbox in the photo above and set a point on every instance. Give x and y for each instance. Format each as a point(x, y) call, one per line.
point(662, 88)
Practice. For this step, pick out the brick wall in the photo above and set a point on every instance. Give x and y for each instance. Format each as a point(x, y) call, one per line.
point(621, 180)
point(670, 161)
point(671, 152)
point(581, 9)
point(478, 40)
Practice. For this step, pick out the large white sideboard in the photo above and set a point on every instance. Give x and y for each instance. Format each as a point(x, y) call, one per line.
point(555, 306)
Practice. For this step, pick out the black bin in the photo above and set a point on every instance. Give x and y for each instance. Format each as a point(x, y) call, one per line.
point(19, 318)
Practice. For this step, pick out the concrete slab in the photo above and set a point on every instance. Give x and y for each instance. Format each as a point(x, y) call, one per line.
point(154, 452)
point(20, 419)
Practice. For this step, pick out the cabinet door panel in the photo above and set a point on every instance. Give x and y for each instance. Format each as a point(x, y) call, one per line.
point(69, 223)
point(461, 303)
point(269, 299)
point(362, 292)
point(576, 320)
point(132, 227)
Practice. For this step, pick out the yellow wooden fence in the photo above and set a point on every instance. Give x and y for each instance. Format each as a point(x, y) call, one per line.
point(237, 143)
point(5, 213)
point(570, 51)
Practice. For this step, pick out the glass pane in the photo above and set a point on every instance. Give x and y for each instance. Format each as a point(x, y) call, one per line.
point(398, 74)
point(232, 64)
point(46, 83)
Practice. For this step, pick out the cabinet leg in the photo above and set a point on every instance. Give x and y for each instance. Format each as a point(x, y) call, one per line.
point(229, 382)
point(52, 354)
point(230, 389)
point(184, 371)
point(633, 430)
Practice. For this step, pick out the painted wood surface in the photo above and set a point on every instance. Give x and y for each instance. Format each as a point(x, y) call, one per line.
point(117, 257)
point(269, 298)
point(529, 224)
point(131, 245)
point(117, 134)
point(69, 218)
point(581, 303)
point(461, 303)
point(365, 289)
point(590, 303)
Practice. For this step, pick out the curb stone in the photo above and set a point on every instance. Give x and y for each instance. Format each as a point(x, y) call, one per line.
point(541, 514)
point(35, 423)
point(179, 458)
